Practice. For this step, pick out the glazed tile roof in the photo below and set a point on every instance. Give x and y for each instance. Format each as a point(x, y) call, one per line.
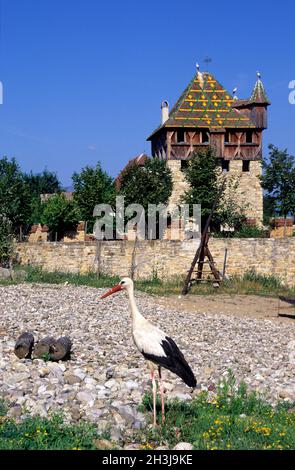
point(259, 95)
point(205, 103)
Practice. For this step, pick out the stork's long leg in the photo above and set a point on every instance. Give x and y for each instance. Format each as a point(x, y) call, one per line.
point(154, 396)
point(162, 394)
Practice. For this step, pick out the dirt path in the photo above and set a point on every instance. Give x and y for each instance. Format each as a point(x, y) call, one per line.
point(241, 306)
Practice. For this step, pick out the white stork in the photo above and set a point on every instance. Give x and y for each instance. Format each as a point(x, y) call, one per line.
point(157, 348)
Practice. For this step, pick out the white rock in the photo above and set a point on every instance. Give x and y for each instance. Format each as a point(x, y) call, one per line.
point(86, 398)
point(131, 384)
point(183, 446)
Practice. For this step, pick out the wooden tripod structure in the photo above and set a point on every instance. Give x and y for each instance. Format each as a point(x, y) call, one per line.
point(202, 253)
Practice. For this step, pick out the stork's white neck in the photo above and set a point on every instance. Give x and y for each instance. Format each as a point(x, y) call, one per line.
point(136, 315)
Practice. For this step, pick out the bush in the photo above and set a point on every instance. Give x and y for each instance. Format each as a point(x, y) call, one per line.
point(251, 231)
point(265, 281)
point(6, 242)
point(60, 214)
point(245, 231)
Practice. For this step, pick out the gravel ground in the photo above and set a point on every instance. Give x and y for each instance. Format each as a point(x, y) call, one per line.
point(106, 376)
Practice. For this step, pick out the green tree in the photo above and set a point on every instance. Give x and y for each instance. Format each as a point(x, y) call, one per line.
point(35, 185)
point(144, 185)
point(60, 214)
point(43, 183)
point(268, 208)
point(279, 181)
point(148, 184)
point(206, 183)
point(91, 187)
point(6, 241)
point(13, 196)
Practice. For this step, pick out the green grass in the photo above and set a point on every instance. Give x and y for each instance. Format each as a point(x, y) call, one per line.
point(35, 433)
point(249, 284)
point(88, 279)
point(235, 419)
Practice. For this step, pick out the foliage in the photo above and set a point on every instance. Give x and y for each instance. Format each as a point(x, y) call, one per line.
point(91, 187)
point(230, 212)
point(35, 185)
point(46, 357)
point(202, 175)
point(59, 214)
point(6, 241)
point(20, 193)
point(36, 433)
point(271, 281)
point(251, 231)
point(206, 184)
point(148, 184)
point(234, 419)
point(279, 180)
point(13, 196)
point(42, 183)
point(268, 208)
point(244, 230)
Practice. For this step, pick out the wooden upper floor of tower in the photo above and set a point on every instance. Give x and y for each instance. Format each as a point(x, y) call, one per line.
point(207, 114)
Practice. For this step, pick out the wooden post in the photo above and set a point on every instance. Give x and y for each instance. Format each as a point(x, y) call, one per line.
point(85, 229)
point(97, 260)
point(133, 259)
point(224, 263)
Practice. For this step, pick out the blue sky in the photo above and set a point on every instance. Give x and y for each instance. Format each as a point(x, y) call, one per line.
point(83, 79)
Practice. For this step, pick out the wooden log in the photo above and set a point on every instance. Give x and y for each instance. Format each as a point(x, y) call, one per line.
point(62, 349)
point(24, 345)
point(44, 346)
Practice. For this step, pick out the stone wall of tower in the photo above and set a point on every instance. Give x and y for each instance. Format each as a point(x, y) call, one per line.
point(249, 193)
point(179, 183)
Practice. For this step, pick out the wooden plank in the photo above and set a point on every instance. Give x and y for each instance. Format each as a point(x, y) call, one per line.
point(289, 300)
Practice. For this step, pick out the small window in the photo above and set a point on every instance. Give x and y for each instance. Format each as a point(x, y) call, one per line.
point(227, 137)
point(225, 165)
point(205, 137)
point(246, 165)
point(249, 135)
point(180, 136)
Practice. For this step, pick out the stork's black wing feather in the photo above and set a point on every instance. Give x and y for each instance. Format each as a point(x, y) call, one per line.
point(173, 360)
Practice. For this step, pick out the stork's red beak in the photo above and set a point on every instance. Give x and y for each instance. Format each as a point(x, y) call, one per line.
point(112, 291)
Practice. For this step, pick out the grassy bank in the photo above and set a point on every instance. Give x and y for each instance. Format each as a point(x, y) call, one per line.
point(35, 433)
point(251, 283)
point(235, 420)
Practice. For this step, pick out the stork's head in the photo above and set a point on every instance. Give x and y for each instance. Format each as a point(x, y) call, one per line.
point(125, 284)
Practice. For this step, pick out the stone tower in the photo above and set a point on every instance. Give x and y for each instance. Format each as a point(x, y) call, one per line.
point(207, 114)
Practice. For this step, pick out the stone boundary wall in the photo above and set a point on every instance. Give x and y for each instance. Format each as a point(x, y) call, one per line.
point(163, 258)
